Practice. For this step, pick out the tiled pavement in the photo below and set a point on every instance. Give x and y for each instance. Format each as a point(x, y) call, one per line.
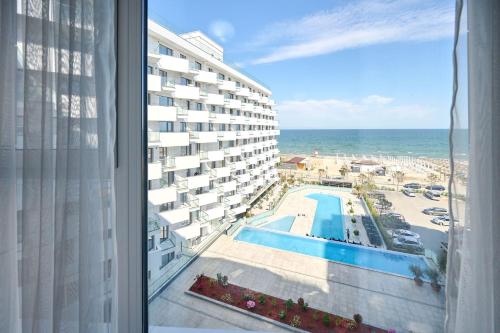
point(384, 300)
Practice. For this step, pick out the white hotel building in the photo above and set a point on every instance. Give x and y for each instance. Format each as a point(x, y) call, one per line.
point(211, 143)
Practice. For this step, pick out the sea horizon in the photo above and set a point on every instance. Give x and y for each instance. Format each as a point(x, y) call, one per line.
point(424, 143)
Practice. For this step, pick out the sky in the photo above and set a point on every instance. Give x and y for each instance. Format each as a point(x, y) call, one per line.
point(334, 64)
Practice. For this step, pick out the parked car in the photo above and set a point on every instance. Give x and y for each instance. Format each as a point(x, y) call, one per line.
point(394, 221)
point(432, 195)
point(438, 188)
point(441, 220)
point(396, 233)
point(408, 243)
point(436, 211)
point(409, 192)
point(413, 186)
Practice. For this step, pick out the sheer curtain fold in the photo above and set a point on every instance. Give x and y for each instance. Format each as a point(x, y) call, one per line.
point(57, 134)
point(473, 278)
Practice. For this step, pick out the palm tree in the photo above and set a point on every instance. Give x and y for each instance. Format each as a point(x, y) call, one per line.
point(400, 177)
point(344, 170)
point(433, 178)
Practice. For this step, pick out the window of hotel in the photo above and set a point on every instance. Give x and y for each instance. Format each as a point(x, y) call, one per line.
point(166, 101)
point(166, 126)
point(197, 65)
point(150, 155)
point(185, 82)
point(165, 50)
point(162, 153)
point(150, 69)
point(182, 56)
point(183, 126)
point(151, 242)
point(221, 76)
point(166, 258)
point(163, 233)
point(162, 73)
point(199, 106)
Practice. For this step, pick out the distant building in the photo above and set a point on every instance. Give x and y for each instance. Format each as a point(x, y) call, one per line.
point(296, 163)
point(368, 166)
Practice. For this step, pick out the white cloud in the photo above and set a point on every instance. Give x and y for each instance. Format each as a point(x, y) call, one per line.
point(223, 30)
point(354, 25)
point(377, 100)
point(373, 111)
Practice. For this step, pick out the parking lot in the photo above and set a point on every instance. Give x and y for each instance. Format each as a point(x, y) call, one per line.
point(431, 234)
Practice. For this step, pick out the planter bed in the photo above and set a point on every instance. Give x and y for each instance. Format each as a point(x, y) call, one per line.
point(311, 320)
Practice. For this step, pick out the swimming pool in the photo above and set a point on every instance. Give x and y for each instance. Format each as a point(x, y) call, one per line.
point(328, 219)
point(282, 224)
point(376, 259)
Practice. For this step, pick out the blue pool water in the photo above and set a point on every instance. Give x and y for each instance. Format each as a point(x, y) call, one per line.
point(328, 219)
point(282, 224)
point(376, 259)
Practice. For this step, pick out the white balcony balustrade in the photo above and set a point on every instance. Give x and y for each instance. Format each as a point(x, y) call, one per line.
point(214, 99)
point(203, 137)
point(232, 103)
point(154, 82)
point(222, 118)
point(186, 92)
point(174, 64)
point(220, 172)
point(228, 186)
point(227, 85)
point(211, 156)
point(233, 200)
point(212, 213)
point(198, 181)
point(175, 216)
point(162, 113)
point(232, 151)
point(173, 163)
point(240, 91)
point(197, 116)
point(207, 198)
point(174, 139)
point(162, 196)
point(206, 77)
point(154, 171)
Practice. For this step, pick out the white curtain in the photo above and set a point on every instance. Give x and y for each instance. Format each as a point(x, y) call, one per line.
point(473, 278)
point(57, 133)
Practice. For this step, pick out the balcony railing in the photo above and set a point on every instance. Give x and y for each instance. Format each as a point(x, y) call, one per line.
point(181, 183)
point(193, 201)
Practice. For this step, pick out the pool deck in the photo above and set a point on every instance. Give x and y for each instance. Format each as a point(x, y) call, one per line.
point(384, 300)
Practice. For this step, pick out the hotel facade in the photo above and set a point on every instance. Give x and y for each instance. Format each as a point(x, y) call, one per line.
point(212, 144)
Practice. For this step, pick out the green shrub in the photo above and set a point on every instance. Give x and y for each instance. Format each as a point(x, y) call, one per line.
point(353, 220)
point(326, 319)
point(282, 314)
point(274, 302)
point(262, 299)
point(289, 303)
point(356, 232)
point(357, 318)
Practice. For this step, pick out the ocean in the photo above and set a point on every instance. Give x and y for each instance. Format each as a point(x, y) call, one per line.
point(432, 143)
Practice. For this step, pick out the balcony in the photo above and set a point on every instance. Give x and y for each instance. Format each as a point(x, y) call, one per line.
point(240, 209)
point(247, 107)
point(174, 64)
point(251, 160)
point(239, 120)
point(222, 118)
point(175, 216)
point(248, 148)
point(220, 172)
point(226, 135)
point(197, 116)
point(162, 196)
point(154, 171)
point(227, 85)
point(232, 103)
point(233, 200)
point(153, 138)
point(188, 232)
point(186, 92)
point(174, 139)
point(264, 100)
point(180, 184)
point(213, 99)
point(232, 151)
point(228, 186)
point(203, 137)
point(154, 82)
point(207, 198)
point(241, 165)
point(271, 102)
point(192, 202)
point(197, 181)
point(206, 77)
point(248, 189)
point(258, 109)
point(258, 182)
point(210, 156)
point(254, 96)
point(212, 213)
point(243, 134)
point(162, 113)
point(181, 162)
point(242, 91)
point(244, 178)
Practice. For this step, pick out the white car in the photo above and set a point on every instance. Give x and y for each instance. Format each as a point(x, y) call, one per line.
point(408, 243)
point(441, 220)
point(396, 233)
point(432, 195)
point(409, 192)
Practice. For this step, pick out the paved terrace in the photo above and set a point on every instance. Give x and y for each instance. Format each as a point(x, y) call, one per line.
point(384, 300)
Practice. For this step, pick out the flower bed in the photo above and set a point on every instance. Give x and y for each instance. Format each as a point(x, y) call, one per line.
point(294, 313)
